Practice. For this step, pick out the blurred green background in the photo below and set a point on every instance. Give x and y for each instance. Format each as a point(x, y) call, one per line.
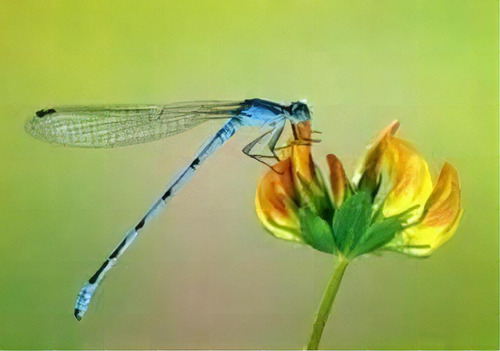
point(205, 274)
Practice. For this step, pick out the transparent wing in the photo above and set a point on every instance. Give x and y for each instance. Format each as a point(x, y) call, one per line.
point(112, 126)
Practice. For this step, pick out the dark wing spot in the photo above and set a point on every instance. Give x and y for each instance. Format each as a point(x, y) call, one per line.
point(42, 113)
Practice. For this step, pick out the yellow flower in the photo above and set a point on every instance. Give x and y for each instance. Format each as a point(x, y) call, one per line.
point(402, 180)
point(293, 183)
point(391, 203)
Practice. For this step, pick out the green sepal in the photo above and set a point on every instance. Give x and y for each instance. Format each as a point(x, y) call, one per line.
point(382, 232)
point(378, 234)
point(351, 221)
point(316, 231)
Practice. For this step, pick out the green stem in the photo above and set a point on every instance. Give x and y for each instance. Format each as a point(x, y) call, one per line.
point(326, 303)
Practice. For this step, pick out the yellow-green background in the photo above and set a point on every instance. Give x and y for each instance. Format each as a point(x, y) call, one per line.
point(205, 274)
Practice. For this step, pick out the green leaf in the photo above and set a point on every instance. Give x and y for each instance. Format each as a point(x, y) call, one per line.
point(316, 231)
point(351, 221)
point(379, 234)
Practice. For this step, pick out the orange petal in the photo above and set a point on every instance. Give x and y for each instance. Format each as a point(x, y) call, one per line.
point(444, 203)
point(338, 179)
point(442, 214)
point(275, 202)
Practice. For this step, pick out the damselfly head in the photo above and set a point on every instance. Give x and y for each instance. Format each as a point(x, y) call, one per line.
point(299, 112)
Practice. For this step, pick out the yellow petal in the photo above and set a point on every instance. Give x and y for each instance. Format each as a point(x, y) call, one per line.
point(301, 154)
point(369, 167)
point(441, 217)
point(405, 180)
point(338, 179)
point(398, 174)
point(275, 202)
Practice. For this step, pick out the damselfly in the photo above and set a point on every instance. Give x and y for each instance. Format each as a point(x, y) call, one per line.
point(112, 126)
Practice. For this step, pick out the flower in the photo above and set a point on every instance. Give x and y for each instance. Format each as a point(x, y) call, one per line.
point(391, 203)
point(295, 182)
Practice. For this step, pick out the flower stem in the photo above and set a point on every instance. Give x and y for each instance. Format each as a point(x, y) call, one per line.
point(326, 303)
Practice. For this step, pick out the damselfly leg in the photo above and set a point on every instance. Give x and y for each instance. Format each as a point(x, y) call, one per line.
point(271, 138)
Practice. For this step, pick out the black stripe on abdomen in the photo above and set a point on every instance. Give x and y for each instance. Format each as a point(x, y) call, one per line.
point(99, 271)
